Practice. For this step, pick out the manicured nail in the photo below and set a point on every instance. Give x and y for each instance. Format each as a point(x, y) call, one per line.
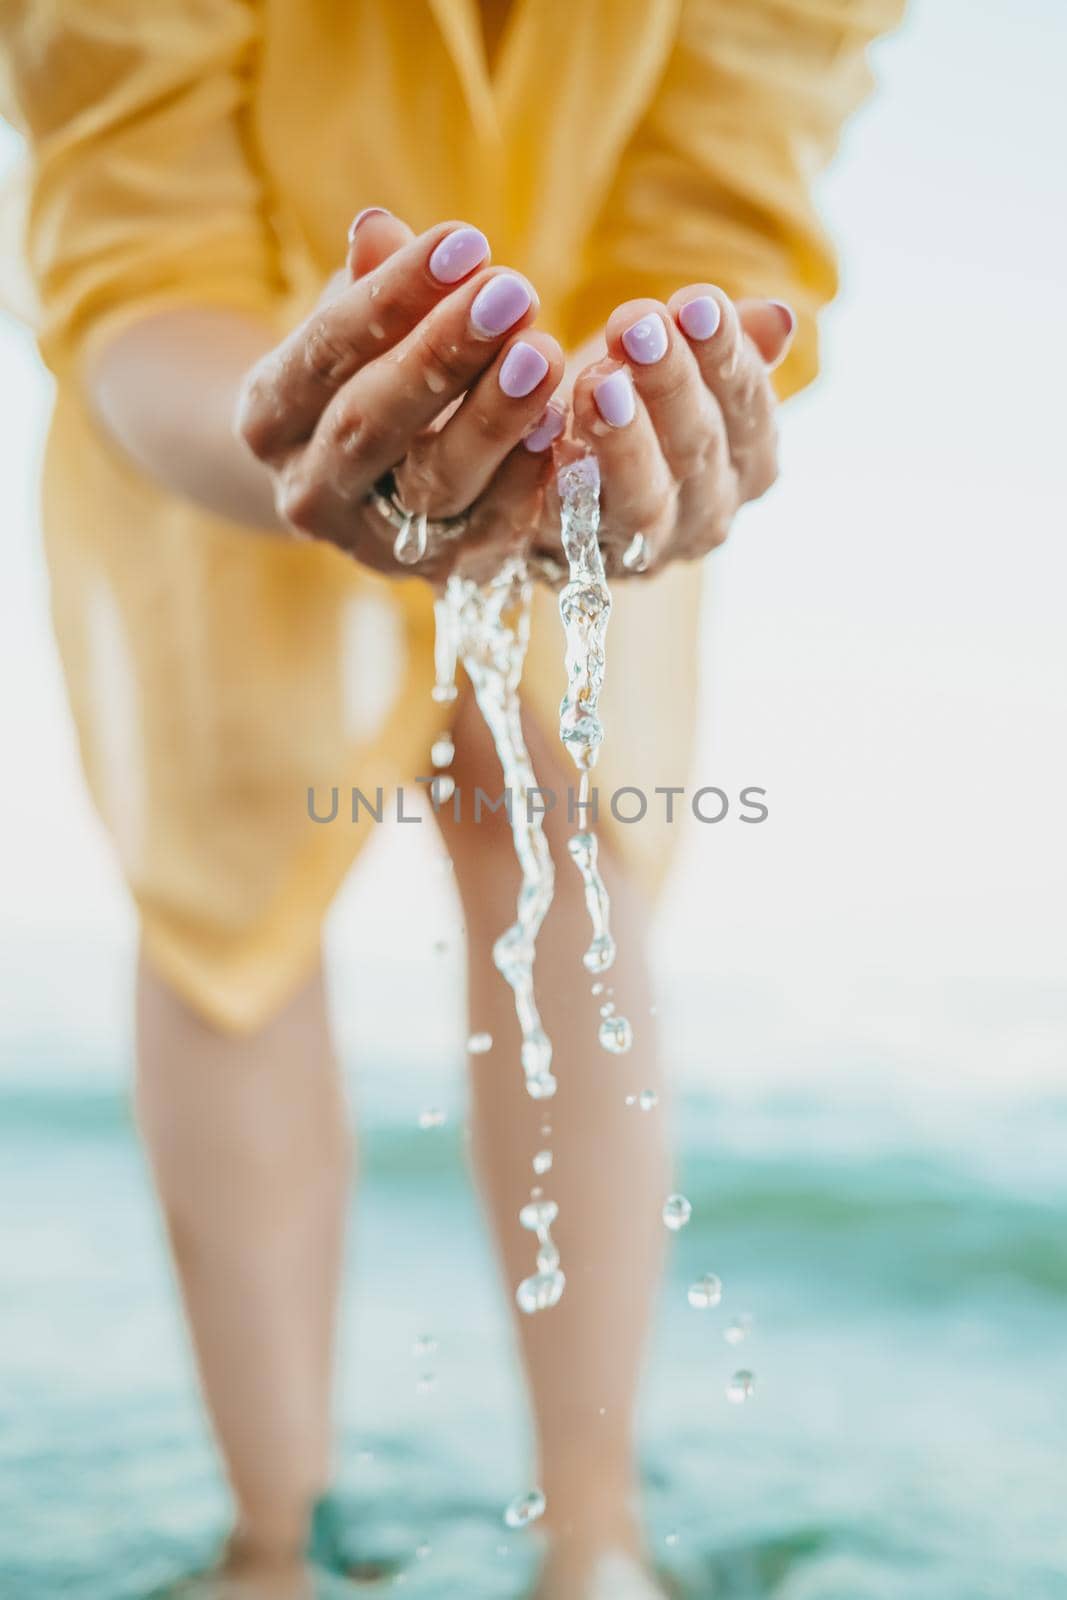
point(522, 370)
point(700, 317)
point(368, 211)
point(458, 253)
point(549, 426)
point(646, 341)
point(615, 399)
point(501, 303)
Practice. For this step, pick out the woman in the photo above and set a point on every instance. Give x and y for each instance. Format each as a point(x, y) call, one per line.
point(192, 171)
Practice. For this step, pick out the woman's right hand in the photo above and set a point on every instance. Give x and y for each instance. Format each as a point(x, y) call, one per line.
point(423, 362)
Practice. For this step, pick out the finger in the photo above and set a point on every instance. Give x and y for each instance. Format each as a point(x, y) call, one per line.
point(286, 393)
point(685, 414)
point(446, 470)
point(509, 516)
point(770, 324)
point(374, 236)
point(736, 374)
point(372, 423)
point(638, 492)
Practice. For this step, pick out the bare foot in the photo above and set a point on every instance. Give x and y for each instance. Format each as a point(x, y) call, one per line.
point(601, 1574)
point(242, 1576)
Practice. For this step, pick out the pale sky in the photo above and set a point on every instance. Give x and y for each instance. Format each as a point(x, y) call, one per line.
point(886, 651)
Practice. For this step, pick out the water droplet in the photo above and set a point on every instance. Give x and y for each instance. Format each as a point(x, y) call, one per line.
point(737, 1331)
point(536, 1192)
point(600, 955)
point(542, 1162)
point(525, 1508)
point(425, 1346)
point(648, 1099)
point(538, 1214)
point(607, 1008)
point(409, 546)
point(432, 1117)
point(427, 1383)
point(442, 751)
point(635, 556)
point(541, 1086)
point(676, 1212)
point(598, 988)
point(442, 788)
point(423, 1551)
point(546, 1130)
point(705, 1293)
point(541, 1292)
point(479, 1044)
point(671, 1539)
point(547, 1257)
point(631, 1099)
point(615, 1034)
point(740, 1388)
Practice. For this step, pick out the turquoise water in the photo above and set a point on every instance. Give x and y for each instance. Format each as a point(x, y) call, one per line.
point(907, 1279)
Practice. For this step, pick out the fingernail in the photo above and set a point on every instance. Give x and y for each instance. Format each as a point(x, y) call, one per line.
point(522, 370)
point(368, 211)
point(646, 341)
point(615, 399)
point(549, 426)
point(700, 317)
point(458, 253)
point(501, 303)
point(788, 316)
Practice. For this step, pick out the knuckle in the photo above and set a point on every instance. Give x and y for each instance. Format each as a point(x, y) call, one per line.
point(297, 499)
point(716, 531)
point(326, 360)
point(426, 482)
point(256, 420)
point(764, 476)
point(444, 364)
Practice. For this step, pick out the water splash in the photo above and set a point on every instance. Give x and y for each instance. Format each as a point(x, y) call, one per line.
point(544, 1288)
point(488, 626)
point(585, 609)
point(525, 1508)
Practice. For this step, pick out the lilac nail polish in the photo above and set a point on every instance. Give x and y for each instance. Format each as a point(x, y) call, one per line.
point(522, 370)
point(458, 253)
point(501, 303)
point(700, 317)
point(646, 341)
point(615, 399)
point(549, 426)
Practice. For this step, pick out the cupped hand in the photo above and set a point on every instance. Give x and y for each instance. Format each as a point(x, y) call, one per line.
point(681, 416)
point(422, 361)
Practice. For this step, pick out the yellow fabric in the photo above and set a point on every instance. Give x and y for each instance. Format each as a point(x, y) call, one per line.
point(213, 152)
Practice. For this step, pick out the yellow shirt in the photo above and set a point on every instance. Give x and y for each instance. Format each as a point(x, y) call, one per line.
point(213, 152)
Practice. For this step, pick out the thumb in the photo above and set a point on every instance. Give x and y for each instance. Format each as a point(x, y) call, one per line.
point(770, 324)
point(373, 237)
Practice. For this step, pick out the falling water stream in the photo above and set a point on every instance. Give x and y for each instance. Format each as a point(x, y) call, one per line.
point(486, 627)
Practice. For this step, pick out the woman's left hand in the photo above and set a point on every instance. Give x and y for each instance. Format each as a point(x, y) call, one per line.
point(681, 415)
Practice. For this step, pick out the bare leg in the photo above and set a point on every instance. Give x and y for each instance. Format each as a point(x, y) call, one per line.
point(248, 1143)
point(609, 1173)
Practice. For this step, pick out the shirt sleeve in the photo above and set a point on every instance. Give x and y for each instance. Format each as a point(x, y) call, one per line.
point(139, 191)
point(716, 183)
